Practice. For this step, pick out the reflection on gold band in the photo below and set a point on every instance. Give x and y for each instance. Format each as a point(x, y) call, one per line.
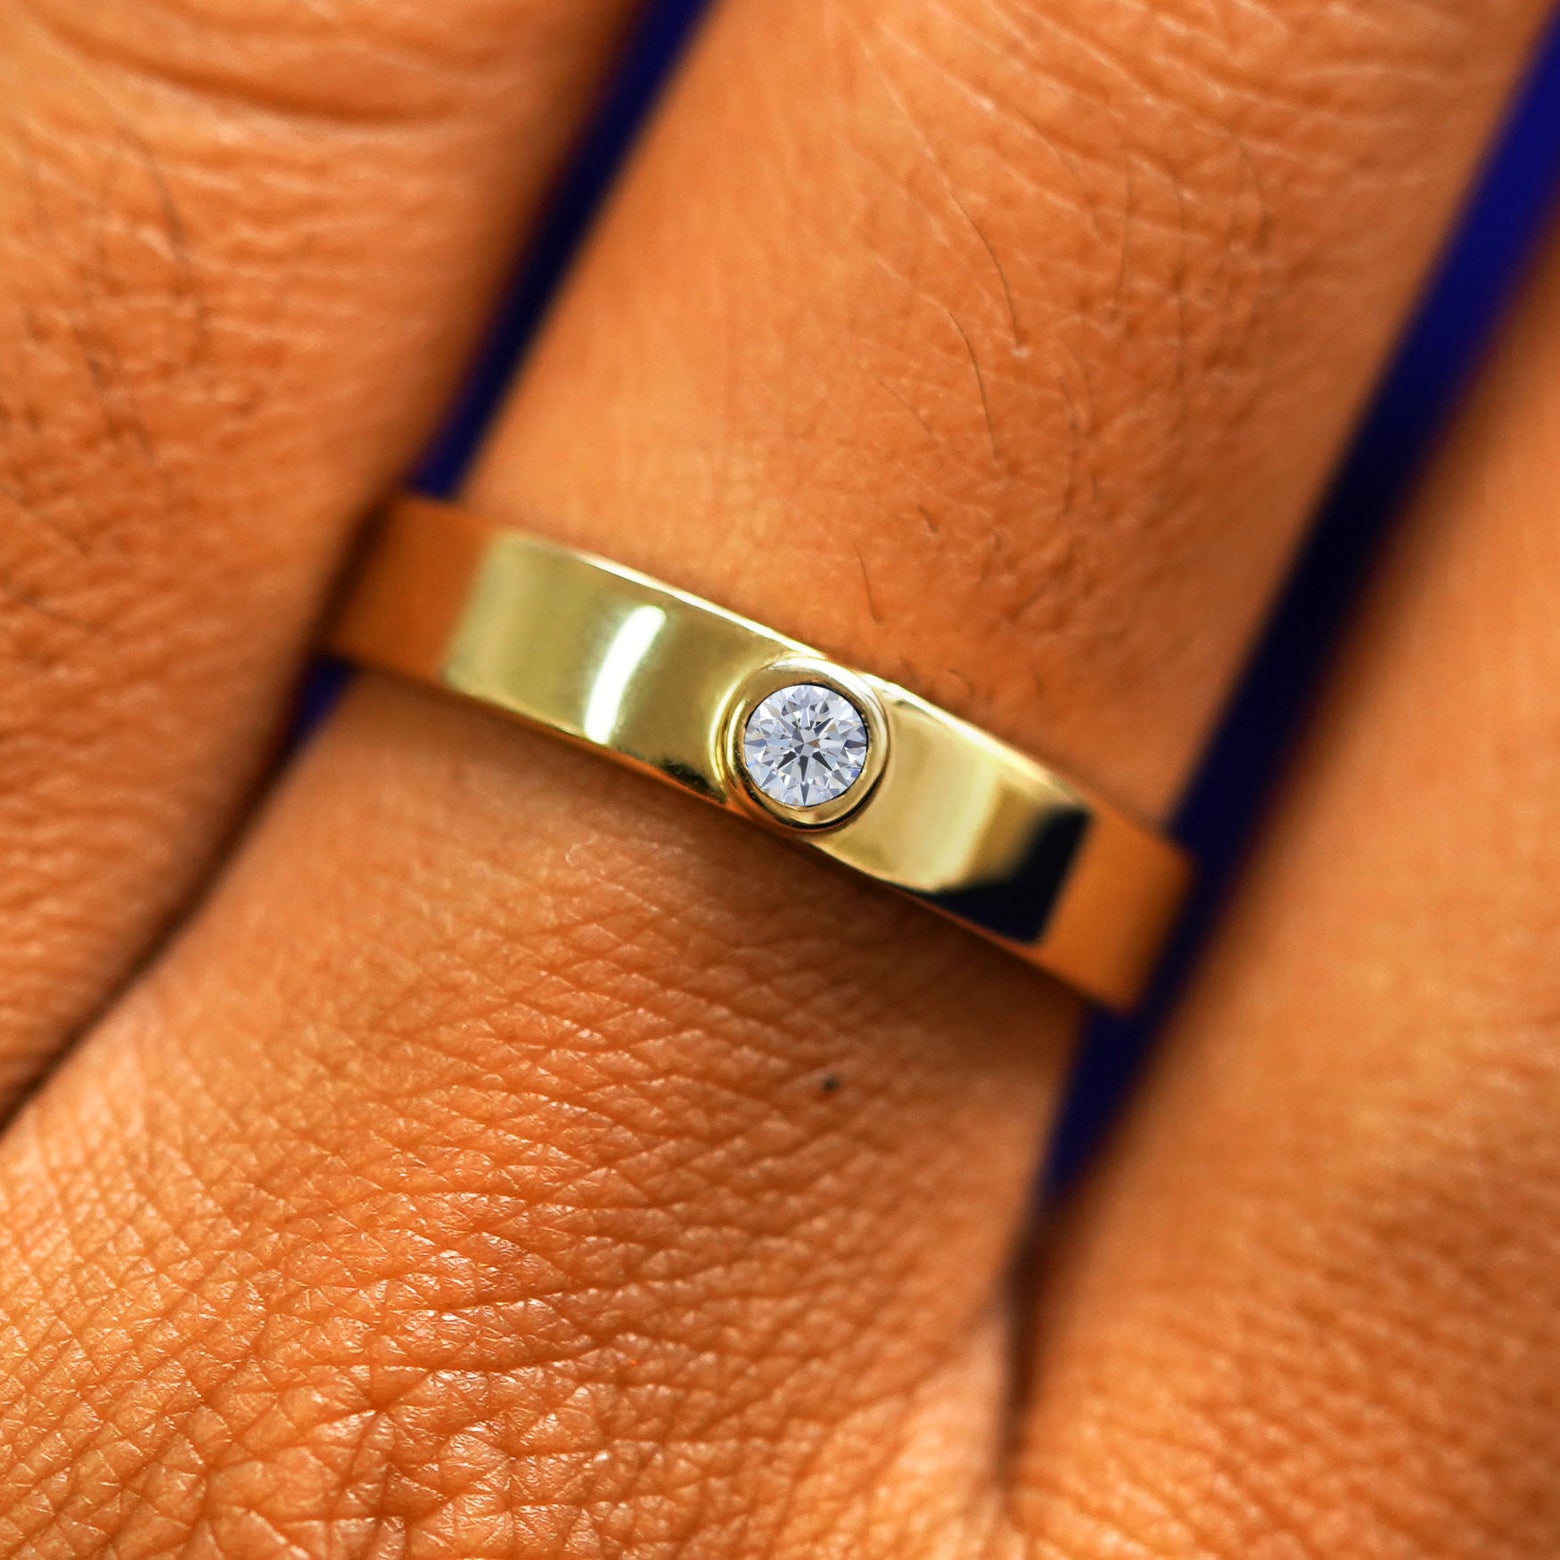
point(660, 680)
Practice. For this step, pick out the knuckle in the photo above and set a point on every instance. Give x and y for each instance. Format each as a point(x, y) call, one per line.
point(550, 1231)
point(208, 368)
point(201, 194)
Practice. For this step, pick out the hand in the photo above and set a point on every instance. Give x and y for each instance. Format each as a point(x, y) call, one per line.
point(499, 1156)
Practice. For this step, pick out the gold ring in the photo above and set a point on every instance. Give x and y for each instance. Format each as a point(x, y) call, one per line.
point(854, 767)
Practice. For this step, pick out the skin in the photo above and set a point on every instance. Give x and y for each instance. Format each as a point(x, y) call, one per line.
point(475, 1163)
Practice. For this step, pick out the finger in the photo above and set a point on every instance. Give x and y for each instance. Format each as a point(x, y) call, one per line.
point(243, 247)
point(1314, 1301)
point(1030, 342)
point(656, 1187)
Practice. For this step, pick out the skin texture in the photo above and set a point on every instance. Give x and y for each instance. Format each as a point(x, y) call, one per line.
point(244, 246)
point(510, 1158)
point(1327, 1251)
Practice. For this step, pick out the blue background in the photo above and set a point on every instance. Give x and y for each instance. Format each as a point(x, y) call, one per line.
point(1462, 308)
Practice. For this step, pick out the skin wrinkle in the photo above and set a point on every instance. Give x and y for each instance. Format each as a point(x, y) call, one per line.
point(167, 528)
point(455, 1220)
point(339, 69)
point(91, 344)
point(771, 1356)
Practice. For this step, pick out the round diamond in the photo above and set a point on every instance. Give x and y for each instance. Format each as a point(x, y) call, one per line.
point(805, 745)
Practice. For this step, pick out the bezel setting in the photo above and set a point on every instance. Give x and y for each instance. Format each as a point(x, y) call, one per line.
point(793, 672)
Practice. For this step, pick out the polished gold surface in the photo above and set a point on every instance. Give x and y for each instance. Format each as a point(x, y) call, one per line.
point(664, 681)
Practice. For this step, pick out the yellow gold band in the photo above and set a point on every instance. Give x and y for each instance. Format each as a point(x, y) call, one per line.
point(671, 685)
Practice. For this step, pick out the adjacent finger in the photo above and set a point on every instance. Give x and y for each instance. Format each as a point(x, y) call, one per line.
point(1314, 1303)
point(243, 247)
point(547, 1164)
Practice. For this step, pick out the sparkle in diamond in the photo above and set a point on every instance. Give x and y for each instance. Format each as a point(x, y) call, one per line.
point(805, 745)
